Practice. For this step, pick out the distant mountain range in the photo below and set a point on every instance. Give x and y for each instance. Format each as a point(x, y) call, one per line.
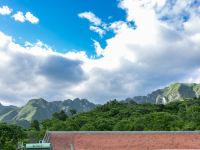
point(41, 109)
point(173, 92)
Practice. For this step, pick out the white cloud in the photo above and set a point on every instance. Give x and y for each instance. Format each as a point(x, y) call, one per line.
point(31, 18)
point(99, 50)
point(96, 24)
point(134, 62)
point(35, 71)
point(194, 77)
point(5, 10)
point(118, 26)
point(19, 16)
point(90, 17)
point(98, 30)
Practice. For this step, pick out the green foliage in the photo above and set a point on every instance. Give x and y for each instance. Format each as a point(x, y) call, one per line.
point(113, 116)
point(10, 135)
point(33, 136)
point(88, 127)
point(60, 115)
point(160, 121)
point(130, 116)
point(35, 125)
point(123, 125)
point(9, 146)
point(72, 111)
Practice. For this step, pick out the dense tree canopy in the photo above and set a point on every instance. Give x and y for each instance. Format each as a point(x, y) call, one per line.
point(60, 115)
point(130, 116)
point(35, 125)
point(113, 116)
point(10, 136)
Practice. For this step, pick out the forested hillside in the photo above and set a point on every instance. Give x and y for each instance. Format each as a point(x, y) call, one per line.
point(170, 93)
point(40, 109)
point(180, 115)
point(113, 116)
point(11, 136)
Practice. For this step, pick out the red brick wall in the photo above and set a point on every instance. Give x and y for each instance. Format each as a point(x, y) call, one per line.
point(124, 141)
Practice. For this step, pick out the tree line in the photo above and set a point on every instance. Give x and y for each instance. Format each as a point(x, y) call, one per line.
point(130, 116)
point(113, 116)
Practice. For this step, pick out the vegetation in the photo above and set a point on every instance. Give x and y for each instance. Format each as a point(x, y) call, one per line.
point(10, 136)
point(113, 116)
point(130, 116)
point(35, 125)
point(60, 115)
point(72, 111)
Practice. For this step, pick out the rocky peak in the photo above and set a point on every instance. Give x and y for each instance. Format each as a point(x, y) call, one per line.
point(38, 101)
point(173, 92)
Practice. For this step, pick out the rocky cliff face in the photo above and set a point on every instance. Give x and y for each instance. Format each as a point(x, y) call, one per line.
point(41, 109)
point(174, 92)
point(5, 109)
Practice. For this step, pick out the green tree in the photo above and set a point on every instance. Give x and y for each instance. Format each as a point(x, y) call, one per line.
point(193, 114)
point(123, 125)
point(115, 115)
point(103, 124)
point(88, 127)
point(60, 115)
point(10, 135)
point(35, 125)
point(160, 121)
point(72, 111)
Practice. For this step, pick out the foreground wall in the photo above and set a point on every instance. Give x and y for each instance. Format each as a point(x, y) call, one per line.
point(123, 140)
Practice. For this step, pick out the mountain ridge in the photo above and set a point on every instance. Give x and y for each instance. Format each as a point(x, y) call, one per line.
point(40, 109)
point(173, 92)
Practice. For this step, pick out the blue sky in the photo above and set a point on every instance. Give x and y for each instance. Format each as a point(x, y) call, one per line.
point(59, 25)
point(99, 50)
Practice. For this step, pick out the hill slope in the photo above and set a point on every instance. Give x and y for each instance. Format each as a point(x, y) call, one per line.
point(130, 116)
point(174, 92)
point(41, 109)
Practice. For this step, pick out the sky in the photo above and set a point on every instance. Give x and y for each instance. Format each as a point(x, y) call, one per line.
point(99, 50)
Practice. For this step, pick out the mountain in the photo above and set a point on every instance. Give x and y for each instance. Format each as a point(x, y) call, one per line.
point(130, 116)
point(41, 109)
point(5, 109)
point(173, 92)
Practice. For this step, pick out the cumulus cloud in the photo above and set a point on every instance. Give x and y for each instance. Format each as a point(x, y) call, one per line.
point(5, 10)
point(152, 55)
point(98, 48)
point(58, 68)
point(135, 61)
point(31, 18)
point(19, 16)
point(35, 70)
point(96, 24)
point(90, 17)
point(118, 26)
point(194, 77)
point(98, 30)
